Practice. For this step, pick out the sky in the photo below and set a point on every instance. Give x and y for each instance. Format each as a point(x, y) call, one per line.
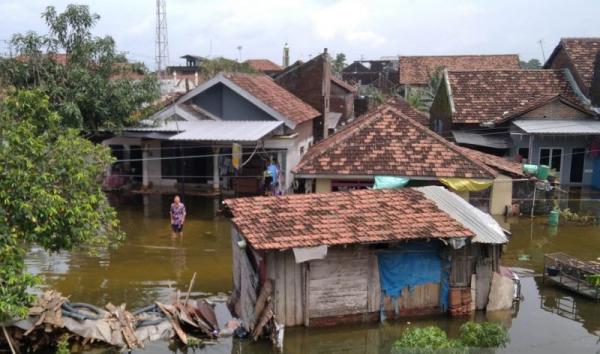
point(360, 29)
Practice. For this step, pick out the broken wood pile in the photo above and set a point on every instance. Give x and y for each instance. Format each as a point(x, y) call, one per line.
point(53, 318)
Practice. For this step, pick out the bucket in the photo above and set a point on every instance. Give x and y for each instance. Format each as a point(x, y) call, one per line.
point(530, 169)
point(543, 172)
point(553, 218)
point(552, 271)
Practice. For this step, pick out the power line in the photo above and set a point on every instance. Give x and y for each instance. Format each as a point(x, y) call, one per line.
point(191, 157)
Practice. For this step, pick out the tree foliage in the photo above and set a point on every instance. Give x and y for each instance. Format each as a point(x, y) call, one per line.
point(211, 67)
point(338, 64)
point(531, 64)
point(50, 193)
point(89, 83)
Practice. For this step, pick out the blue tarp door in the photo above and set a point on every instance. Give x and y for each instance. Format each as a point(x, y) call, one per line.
point(414, 264)
point(596, 173)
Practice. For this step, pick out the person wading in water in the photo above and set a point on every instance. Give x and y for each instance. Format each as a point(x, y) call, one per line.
point(177, 216)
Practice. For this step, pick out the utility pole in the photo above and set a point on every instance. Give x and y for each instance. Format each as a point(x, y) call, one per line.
point(239, 48)
point(162, 38)
point(542, 48)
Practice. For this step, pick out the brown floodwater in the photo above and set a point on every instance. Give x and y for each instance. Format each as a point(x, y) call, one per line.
point(151, 264)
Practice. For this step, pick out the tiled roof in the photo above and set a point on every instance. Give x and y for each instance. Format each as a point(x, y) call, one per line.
point(496, 162)
point(270, 93)
point(343, 84)
point(415, 70)
point(341, 218)
point(387, 142)
point(263, 65)
point(400, 104)
point(582, 52)
point(488, 95)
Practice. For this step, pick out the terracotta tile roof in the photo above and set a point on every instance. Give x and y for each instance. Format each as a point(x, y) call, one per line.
point(482, 96)
point(400, 104)
point(340, 218)
point(270, 93)
point(387, 142)
point(540, 102)
point(582, 52)
point(496, 162)
point(415, 70)
point(263, 65)
point(343, 84)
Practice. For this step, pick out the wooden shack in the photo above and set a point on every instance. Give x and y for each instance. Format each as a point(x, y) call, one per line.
point(350, 256)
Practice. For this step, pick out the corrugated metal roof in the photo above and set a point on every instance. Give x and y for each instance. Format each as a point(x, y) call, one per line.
point(559, 126)
point(493, 141)
point(485, 228)
point(210, 130)
point(164, 127)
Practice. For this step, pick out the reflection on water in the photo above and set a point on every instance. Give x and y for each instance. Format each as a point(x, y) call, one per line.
point(150, 264)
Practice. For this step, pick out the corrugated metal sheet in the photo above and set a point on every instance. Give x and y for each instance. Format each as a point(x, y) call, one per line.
point(210, 130)
point(163, 127)
point(493, 141)
point(485, 228)
point(559, 126)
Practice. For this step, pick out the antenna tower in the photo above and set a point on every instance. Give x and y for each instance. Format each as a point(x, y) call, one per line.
point(162, 39)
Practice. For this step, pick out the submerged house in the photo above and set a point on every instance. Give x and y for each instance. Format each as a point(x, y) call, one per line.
point(361, 255)
point(539, 116)
point(388, 144)
point(221, 135)
point(314, 83)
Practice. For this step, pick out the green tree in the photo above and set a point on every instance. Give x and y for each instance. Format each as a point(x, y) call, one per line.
point(338, 64)
point(531, 64)
point(50, 193)
point(89, 83)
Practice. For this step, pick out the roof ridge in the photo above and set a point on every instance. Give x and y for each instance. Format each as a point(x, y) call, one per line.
point(457, 55)
point(506, 70)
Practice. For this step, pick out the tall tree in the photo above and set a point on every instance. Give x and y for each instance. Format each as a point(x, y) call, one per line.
point(50, 193)
point(89, 83)
point(531, 64)
point(338, 64)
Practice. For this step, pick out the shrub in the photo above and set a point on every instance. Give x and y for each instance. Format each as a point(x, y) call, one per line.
point(425, 340)
point(483, 335)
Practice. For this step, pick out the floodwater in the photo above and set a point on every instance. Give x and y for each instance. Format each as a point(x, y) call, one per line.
point(151, 264)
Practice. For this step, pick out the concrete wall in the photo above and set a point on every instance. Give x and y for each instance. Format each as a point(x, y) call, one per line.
point(501, 194)
point(556, 109)
point(567, 143)
point(323, 185)
point(228, 105)
point(151, 165)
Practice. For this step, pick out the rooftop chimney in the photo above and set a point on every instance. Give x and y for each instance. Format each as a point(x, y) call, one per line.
point(286, 56)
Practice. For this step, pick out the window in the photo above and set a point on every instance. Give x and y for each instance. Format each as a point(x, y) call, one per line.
point(524, 153)
point(551, 157)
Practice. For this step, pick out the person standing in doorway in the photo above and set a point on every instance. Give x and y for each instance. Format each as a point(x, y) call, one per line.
point(177, 216)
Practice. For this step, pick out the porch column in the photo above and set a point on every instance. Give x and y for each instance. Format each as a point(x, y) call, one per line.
point(145, 167)
point(215, 179)
point(501, 194)
point(126, 158)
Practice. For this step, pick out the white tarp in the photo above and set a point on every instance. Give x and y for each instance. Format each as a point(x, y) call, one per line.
point(309, 253)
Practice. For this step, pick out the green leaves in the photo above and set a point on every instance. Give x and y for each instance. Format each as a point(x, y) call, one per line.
point(91, 86)
point(49, 192)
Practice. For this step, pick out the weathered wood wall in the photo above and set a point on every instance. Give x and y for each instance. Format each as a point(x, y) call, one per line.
point(288, 294)
point(245, 282)
point(338, 284)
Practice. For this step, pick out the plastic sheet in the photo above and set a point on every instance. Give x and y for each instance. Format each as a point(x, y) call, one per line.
point(465, 184)
point(390, 182)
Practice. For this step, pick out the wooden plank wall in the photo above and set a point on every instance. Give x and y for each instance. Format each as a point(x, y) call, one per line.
point(338, 284)
point(422, 297)
point(288, 281)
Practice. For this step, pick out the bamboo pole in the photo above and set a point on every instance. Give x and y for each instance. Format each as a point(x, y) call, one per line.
point(9, 340)
point(187, 296)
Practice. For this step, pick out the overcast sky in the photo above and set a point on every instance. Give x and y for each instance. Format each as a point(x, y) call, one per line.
point(358, 28)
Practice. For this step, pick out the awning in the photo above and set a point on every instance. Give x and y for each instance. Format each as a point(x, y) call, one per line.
point(559, 126)
point(485, 228)
point(496, 141)
point(332, 119)
point(210, 130)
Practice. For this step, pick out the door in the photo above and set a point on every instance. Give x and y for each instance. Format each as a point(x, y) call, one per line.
point(577, 162)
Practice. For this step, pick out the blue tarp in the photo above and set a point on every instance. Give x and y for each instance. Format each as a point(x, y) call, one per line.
point(414, 264)
point(390, 182)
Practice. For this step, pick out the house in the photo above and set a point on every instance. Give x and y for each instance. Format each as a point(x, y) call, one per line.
point(582, 57)
point(314, 83)
point(265, 66)
point(382, 74)
point(537, 115)
point(192, 65)
point(235, 119)
point(415, 71)
point(360, 256)
point(386, 143)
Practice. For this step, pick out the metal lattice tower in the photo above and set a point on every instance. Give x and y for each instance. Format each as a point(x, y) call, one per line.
point(162, 39)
